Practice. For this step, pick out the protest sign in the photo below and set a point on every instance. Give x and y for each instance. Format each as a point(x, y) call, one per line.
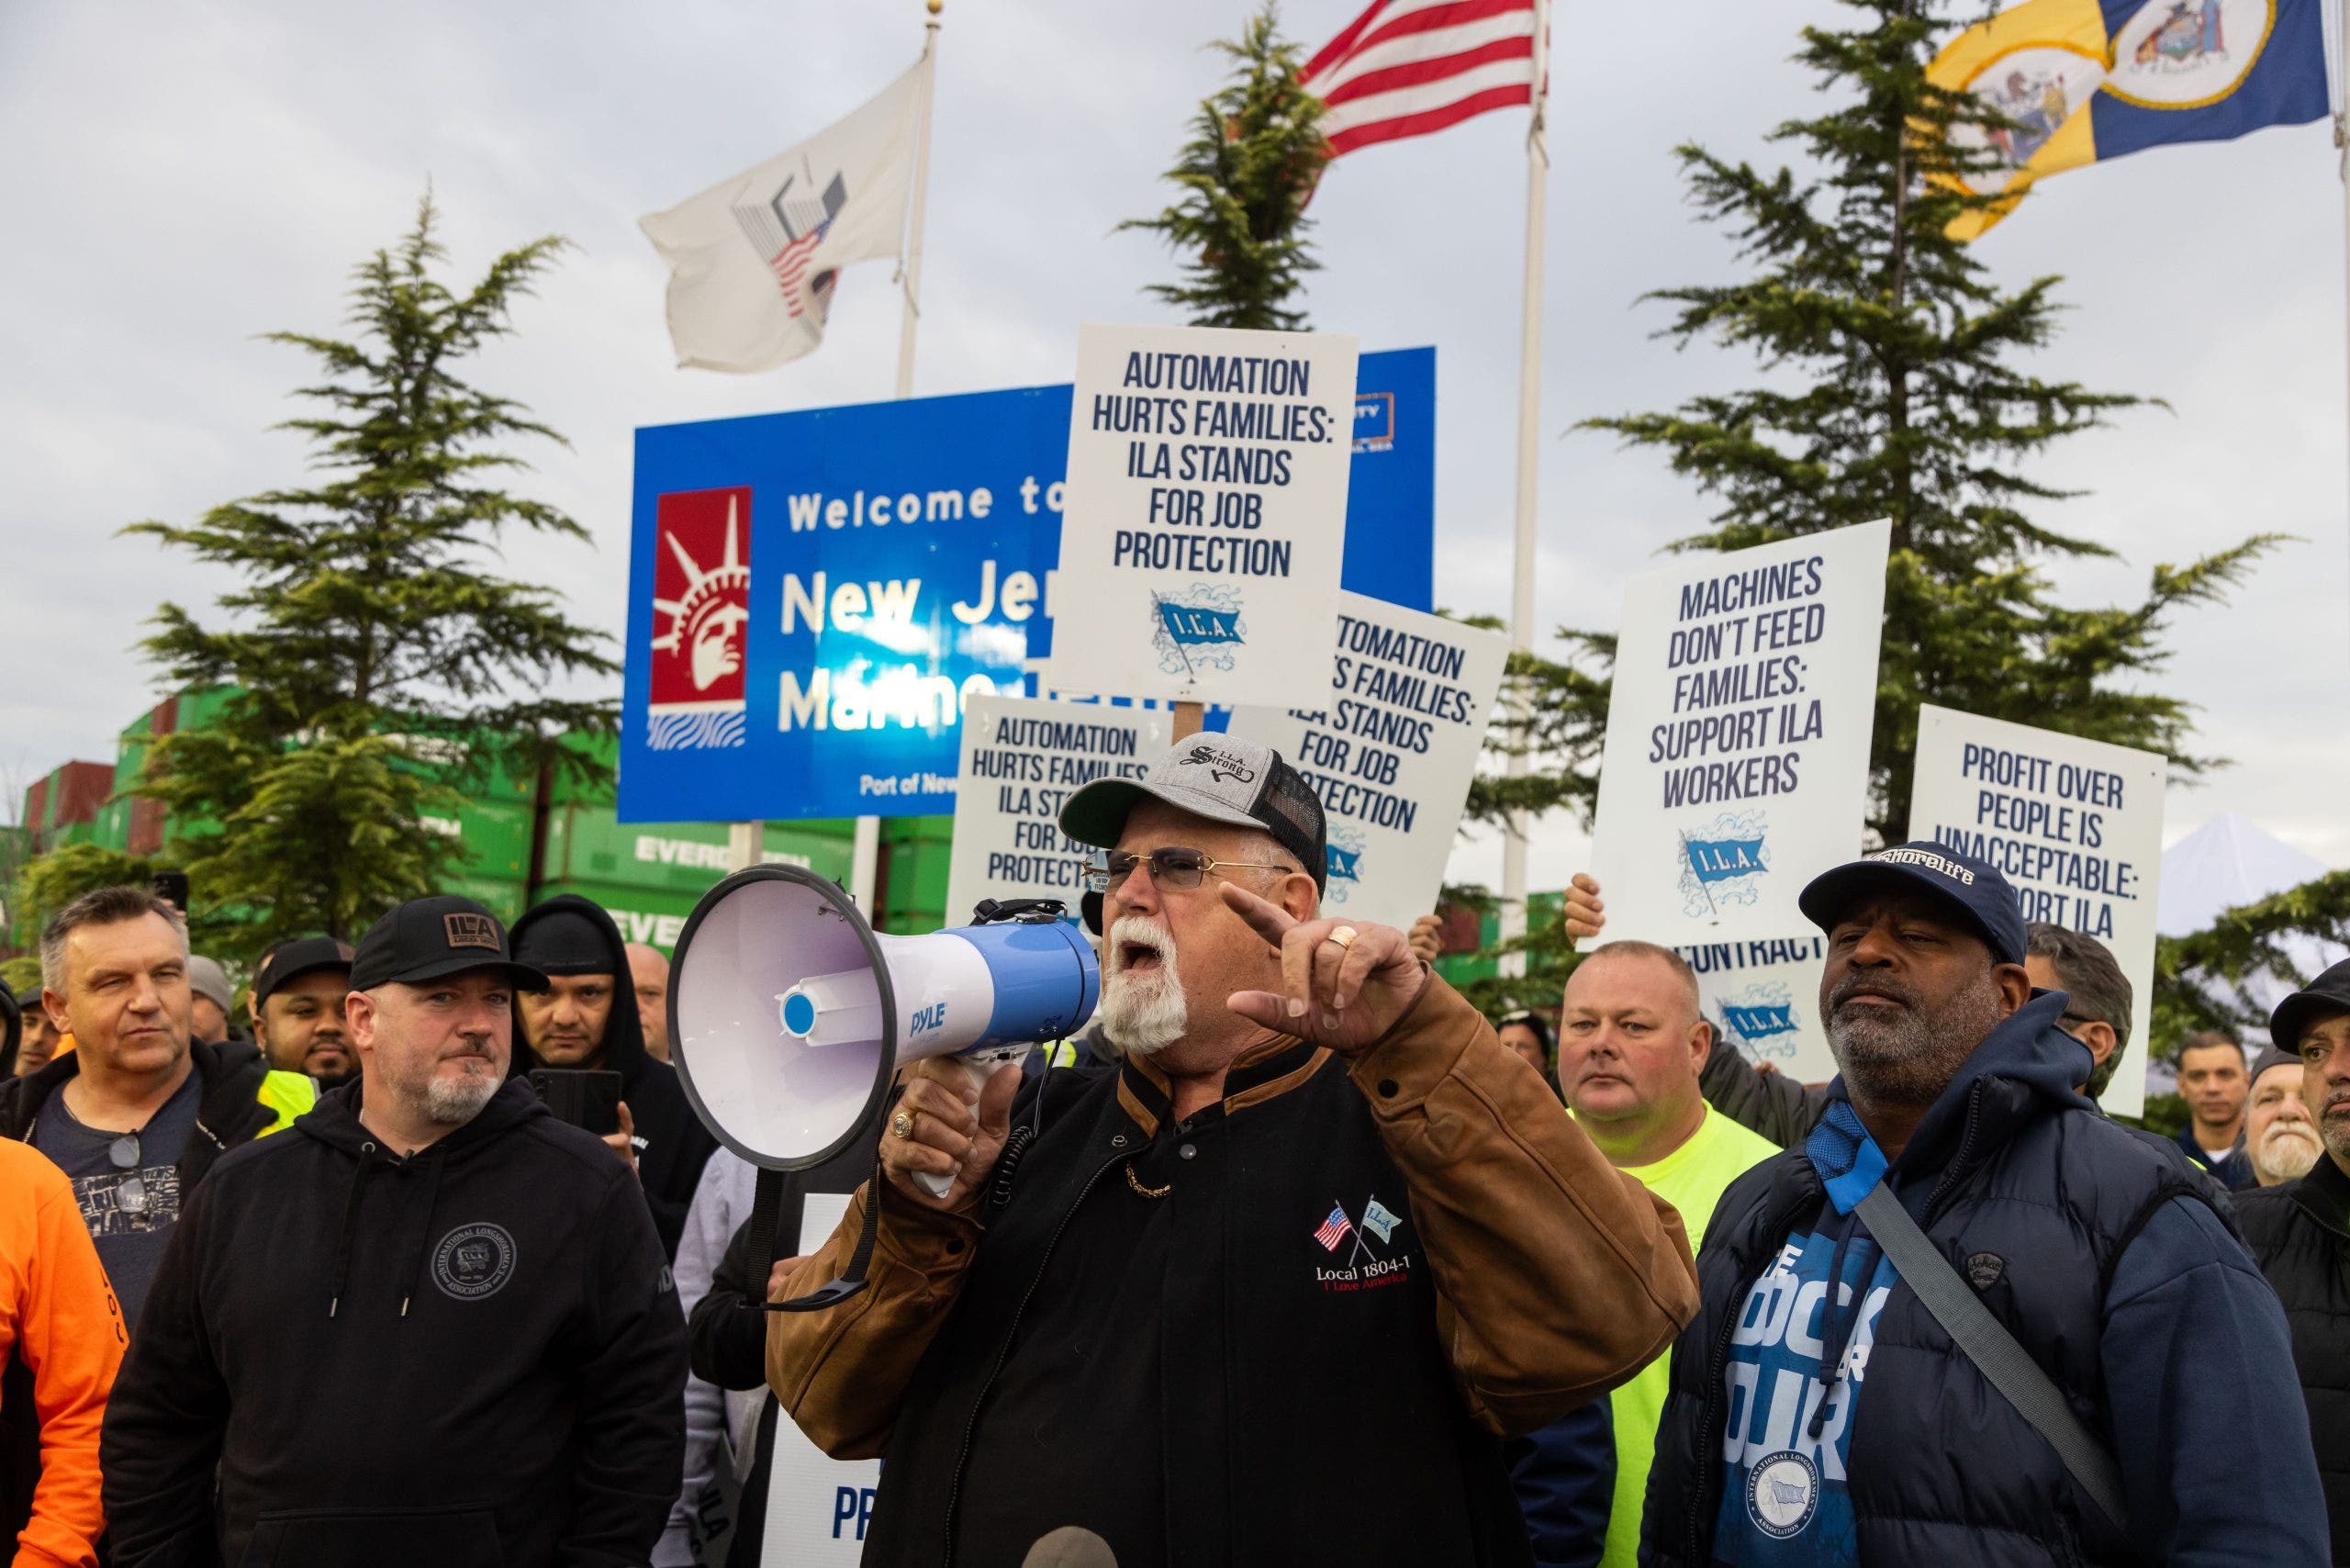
point(1736, 762)
point(1206, 508)
point(1390, 751)
point(2076, 825)
point(1763, 994)
point(886, 560)
point(1020, 760)
point(817, 1507)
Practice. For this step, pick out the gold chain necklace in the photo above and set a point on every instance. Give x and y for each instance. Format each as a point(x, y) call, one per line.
point(1135, 1182)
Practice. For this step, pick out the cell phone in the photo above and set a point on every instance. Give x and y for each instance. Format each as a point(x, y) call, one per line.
point(590, 1100)
point(172, 888)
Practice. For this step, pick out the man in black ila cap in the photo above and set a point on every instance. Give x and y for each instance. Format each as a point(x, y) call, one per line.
point(586, 1017)
point(296, 1007)
point(430, 1324)
point(2301, 1231)
point(2107, 1262)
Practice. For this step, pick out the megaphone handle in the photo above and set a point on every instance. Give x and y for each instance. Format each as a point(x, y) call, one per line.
point(981, 1066)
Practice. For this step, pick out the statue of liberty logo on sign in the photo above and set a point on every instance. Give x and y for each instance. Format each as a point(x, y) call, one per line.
point(701, 589)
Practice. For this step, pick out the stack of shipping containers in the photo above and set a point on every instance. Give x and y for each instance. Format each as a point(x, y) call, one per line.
point(523, 839)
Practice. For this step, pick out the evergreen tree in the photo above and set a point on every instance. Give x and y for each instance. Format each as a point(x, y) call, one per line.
point(377, 663)
point(1900, 389)
point(1246, 175)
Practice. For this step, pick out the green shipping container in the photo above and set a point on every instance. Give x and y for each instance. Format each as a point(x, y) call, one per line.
point(651, 916)
point(502, 898)
point(496, 838)
point(588, 844)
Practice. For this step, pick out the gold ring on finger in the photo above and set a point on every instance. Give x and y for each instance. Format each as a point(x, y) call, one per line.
point(903, 1123)
point(1344, 935)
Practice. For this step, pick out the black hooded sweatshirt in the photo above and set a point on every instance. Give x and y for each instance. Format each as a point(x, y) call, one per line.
point(468, 1357)
point(672, 1145)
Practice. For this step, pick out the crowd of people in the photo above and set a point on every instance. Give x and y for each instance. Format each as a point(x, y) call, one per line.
point(1293, 1257)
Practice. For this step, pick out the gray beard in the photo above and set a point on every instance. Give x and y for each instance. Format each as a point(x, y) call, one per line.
point(1142, 1014)
point(2284, 1158)
point(1908, 1058)
point(454, 1101)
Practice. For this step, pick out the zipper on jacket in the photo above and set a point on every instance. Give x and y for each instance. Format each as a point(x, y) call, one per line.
point(1710, 1460)
point(1945, 1188)
point(972, 1426)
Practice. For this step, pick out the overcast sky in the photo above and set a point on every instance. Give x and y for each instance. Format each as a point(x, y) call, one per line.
point(182, 178)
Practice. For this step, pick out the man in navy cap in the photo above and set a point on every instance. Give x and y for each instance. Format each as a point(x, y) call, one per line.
point(2100, 1256)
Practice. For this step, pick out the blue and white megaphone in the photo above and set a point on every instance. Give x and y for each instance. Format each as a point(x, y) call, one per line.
point(789, 1014)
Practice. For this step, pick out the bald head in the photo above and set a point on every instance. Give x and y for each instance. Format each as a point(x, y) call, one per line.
point(648, 970)
point(1631, 1041)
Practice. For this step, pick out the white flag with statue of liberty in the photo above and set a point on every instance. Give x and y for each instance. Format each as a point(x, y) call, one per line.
point(754, 258)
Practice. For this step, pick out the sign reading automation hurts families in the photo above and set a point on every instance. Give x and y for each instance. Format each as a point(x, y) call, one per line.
point(1021, 760)
point(2076, 825)
point(1206, 513)
point(1737, 760)
point(1390, 750)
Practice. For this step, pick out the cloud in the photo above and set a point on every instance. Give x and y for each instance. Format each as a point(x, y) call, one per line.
point(188, 177)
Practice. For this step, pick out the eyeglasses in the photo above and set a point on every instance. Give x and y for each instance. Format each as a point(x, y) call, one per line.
point(130, 1192)
point(1168, 869)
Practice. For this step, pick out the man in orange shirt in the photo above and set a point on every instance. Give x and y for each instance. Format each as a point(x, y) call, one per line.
point(62, 1338)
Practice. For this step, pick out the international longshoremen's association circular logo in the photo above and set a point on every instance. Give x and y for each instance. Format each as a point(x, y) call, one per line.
point(1782, 1492)
point(473, 1261)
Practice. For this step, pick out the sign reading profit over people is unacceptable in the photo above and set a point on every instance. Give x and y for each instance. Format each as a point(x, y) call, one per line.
point(1206, 513)
point(2075, 825)
point(1021, 760)
point(1737, 760)
point(1390, 750)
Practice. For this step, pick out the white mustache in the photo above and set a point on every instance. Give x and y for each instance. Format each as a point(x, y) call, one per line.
point(1137, 931)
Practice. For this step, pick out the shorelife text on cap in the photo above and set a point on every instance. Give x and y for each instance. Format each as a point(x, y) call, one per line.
point(1217, 777)
point(427, 938)
point(1972, 890)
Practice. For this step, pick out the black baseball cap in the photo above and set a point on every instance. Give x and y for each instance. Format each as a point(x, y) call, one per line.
point(1972, 890)
point(2321, 999)
point(1215, 777)
point(295, 957)
point(427, 938)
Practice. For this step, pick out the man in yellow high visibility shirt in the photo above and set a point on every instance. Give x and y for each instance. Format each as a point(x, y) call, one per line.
point(1631, 1042)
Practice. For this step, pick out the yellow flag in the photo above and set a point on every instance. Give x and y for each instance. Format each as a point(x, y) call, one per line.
point(2039, 64)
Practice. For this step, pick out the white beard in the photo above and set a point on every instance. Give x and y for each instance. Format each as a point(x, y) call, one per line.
point(454, 1101)
point(1141, 1012)
point(2287, 1157)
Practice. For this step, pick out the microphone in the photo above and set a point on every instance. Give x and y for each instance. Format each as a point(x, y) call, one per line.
point(1071, 1546)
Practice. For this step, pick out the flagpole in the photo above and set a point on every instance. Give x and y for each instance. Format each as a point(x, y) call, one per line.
point(2341, 140)
point(1530, 404)
point(865, 853)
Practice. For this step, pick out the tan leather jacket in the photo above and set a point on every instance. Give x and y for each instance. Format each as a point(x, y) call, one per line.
point(1558, 1276)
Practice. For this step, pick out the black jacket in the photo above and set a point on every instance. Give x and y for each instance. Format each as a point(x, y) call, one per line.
point(672, 1145)
point(228, 1110)
point(1299, 1417)
point(2299, 1236)
point(469, 1358)
point(727, 1342)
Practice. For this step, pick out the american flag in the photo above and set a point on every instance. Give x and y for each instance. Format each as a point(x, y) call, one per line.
point(1334, 1230)
point(790, 264)
point(1409, 67)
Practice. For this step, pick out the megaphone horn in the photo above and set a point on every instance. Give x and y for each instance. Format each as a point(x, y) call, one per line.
point(789, 1014)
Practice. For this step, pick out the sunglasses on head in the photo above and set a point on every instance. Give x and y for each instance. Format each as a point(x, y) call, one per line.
point(1168, 869)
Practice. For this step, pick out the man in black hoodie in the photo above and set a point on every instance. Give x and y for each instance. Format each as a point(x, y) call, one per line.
point(432, 1325)
point(586, 1018)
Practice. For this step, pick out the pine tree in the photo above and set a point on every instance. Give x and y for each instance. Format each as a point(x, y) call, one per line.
point(1246, 175)
point(378, 664)
point(1901, 389)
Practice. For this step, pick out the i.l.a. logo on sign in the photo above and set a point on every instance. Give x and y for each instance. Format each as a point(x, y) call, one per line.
point(1723, 863)
point(701, 602)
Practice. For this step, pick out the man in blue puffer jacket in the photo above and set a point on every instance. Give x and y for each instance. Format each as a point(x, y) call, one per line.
point(1819, 1415)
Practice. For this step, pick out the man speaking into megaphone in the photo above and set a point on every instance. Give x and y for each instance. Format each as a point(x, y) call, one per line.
point(1272, 1287)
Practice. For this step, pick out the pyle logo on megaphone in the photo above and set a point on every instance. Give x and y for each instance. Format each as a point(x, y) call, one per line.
point(790, 1016)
